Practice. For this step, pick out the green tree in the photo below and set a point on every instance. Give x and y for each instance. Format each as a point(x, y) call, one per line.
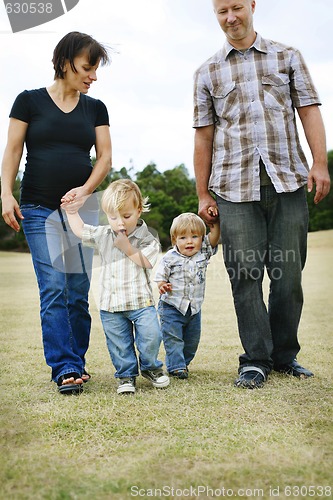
point(113, 175)
point(170, 193)
point(150, 179)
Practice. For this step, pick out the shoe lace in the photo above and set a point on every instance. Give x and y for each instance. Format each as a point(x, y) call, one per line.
point(127, 381)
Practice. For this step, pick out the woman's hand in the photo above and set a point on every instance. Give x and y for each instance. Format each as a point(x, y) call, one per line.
point(74, 199)
point(11, 210)
point(10, 165)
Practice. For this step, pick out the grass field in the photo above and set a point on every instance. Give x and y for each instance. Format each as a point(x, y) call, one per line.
point(200, 438)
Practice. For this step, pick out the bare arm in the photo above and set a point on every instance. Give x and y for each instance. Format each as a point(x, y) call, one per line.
point(313, 126)
point(10, 164)
point(214, 234)
point(77, 196)
point(203, 150)
point(76, 223)
point(122, 242)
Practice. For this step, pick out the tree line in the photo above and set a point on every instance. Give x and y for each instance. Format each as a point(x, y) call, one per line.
point(170, 193)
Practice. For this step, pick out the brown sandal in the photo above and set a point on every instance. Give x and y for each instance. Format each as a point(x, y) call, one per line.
point(86, 375)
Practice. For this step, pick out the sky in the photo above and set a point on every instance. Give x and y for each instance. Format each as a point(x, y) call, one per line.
point(156, 45)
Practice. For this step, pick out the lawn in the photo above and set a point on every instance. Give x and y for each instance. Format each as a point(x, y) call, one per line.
point(200, 438)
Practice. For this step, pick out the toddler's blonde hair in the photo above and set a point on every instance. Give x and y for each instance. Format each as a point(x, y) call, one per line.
point(118, 192)
point(184, 222)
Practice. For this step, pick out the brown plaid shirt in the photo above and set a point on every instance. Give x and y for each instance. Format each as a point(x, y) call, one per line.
point(251, 98)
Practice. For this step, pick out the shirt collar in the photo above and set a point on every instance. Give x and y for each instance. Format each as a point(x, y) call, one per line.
point(175, 249)
point(141, 231)
point(259, 44)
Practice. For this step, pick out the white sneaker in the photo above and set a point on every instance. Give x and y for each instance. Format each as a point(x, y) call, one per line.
point(126, 385)
point(156, 377)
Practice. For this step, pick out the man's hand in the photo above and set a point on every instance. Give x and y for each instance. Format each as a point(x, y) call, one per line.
point(208, 210)
point(320, 177)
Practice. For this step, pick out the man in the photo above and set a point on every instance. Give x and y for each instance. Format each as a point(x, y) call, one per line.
point(247, 152)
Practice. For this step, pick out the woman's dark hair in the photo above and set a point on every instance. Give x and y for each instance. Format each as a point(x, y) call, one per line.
point(71, 46)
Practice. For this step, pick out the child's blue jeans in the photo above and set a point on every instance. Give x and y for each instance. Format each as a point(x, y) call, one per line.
point(119, 330)
point(181, 335)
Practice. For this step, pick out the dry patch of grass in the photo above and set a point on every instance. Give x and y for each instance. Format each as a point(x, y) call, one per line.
point(200, 432)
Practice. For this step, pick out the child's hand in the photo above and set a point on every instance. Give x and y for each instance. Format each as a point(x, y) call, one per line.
point(213, 211)
point(70, 204)
point(122, 242)
point(65, 205)
point(74, 199)
point(69, 207)
point(165, 288)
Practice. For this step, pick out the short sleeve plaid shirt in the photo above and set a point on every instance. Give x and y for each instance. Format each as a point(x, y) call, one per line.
point(124, 286)
point(251, 98)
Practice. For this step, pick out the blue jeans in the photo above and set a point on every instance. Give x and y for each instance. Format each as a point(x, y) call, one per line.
point(181, 335)
point(119, 330)
point(63, 270)
point(270, 233)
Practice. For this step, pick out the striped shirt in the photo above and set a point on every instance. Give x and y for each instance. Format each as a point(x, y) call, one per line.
point(124, 286)
point(251, 98)
point(187, 276)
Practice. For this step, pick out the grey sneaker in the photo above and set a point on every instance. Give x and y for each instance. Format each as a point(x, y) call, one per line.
point(126, 385)
point(156, 377)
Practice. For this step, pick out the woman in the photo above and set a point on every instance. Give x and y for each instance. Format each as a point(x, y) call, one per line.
point(59, 125)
